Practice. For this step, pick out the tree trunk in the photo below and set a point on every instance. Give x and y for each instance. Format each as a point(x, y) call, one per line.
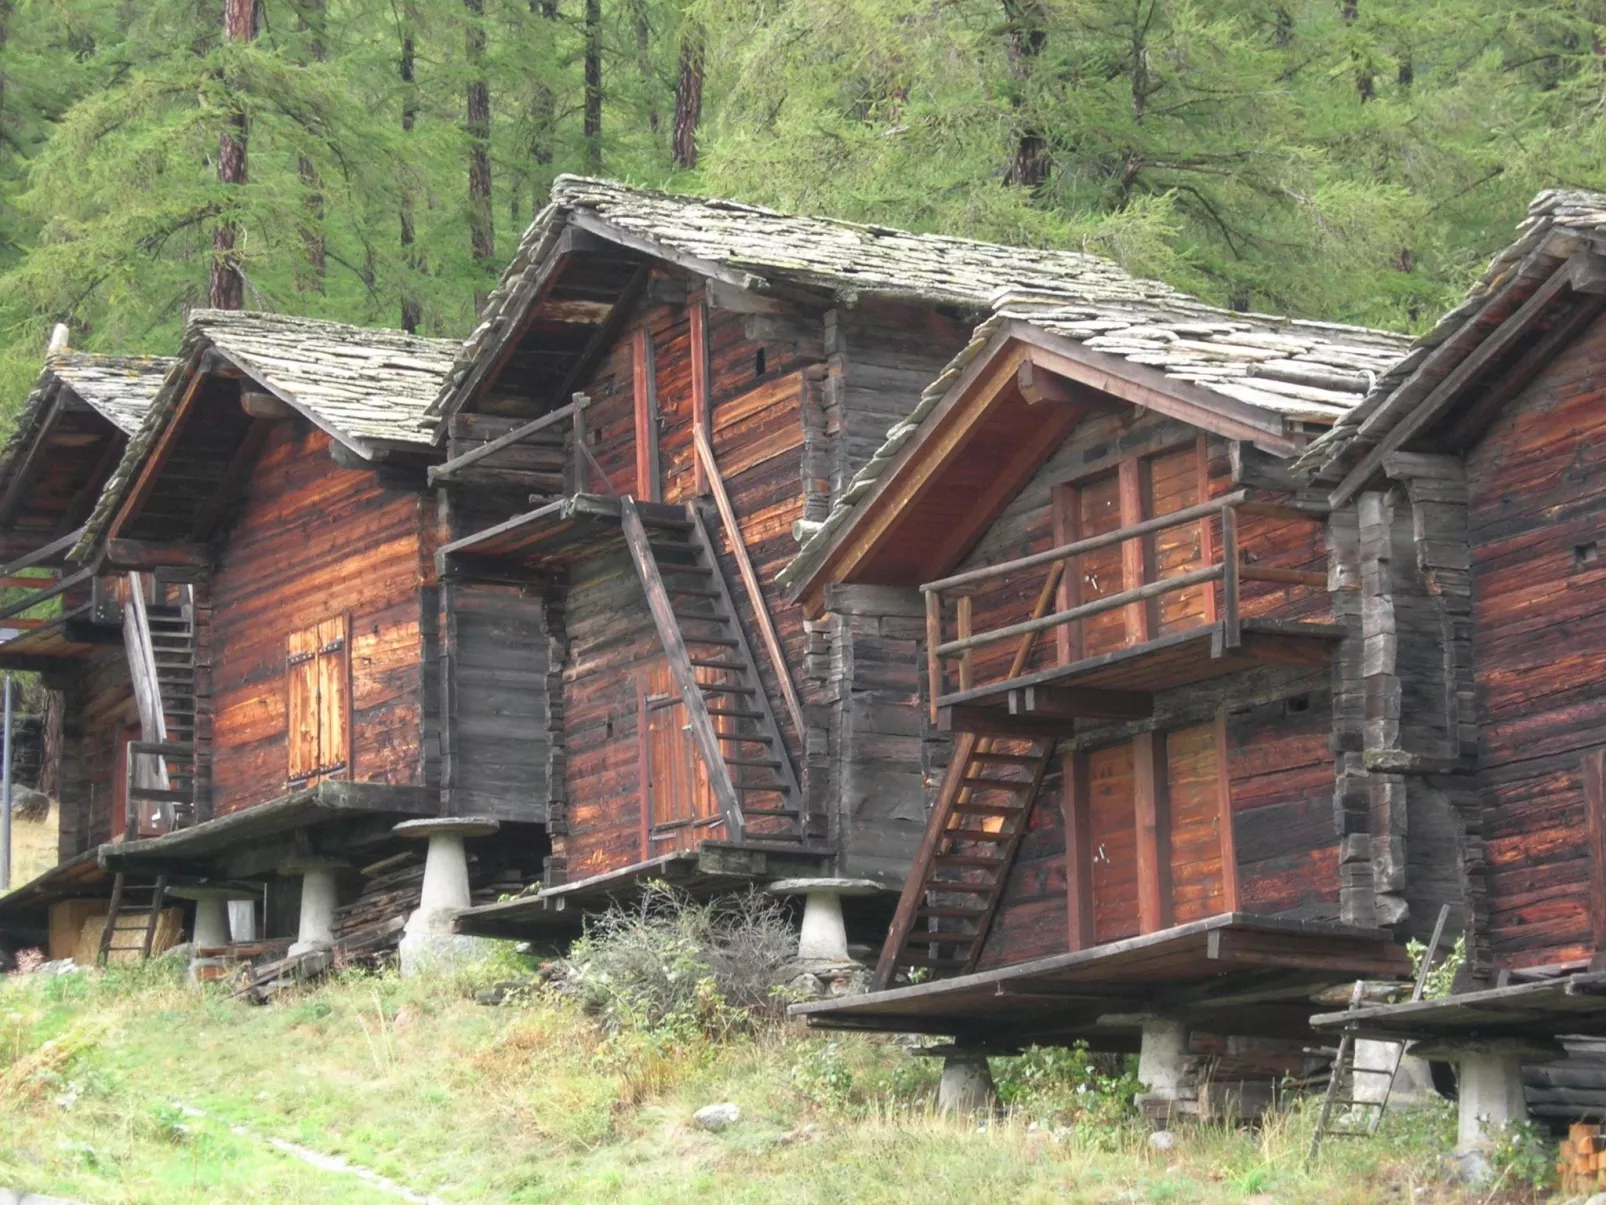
point(543, 113)
point(688, 99)
point(643, 29)
point(481, 228)
point(410, 259)
point(313, 17)
point(1026, 28)
point(1365, 85)
point(592, 127)
point(226, 289)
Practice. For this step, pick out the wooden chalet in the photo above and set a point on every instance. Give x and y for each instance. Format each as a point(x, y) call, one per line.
point(69, 437)
point(661, 390)
point(1474, 485)
point(267, 545)
point(1131, 639)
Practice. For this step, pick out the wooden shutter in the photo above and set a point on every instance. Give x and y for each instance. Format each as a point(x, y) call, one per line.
point(317, 693)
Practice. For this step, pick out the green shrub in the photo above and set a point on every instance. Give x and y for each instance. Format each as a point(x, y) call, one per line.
point(1068, 1084)
point(672, 964)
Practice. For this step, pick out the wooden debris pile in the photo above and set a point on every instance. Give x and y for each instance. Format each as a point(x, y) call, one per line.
point(1581, 1163)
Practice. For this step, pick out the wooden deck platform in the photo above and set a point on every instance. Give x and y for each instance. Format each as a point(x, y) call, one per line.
point(1175, 659)
point(713, 868)
point(549, 538)
point(1568, 1004)
point(1245, 973)
point(25, 910)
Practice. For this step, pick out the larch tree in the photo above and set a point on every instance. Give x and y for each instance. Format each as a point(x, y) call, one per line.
point(226, 290)
point(688, 97)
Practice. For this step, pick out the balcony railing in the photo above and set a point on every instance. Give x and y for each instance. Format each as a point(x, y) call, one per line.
point(1223, 580)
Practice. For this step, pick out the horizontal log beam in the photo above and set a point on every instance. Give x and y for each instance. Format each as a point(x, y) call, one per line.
point(992, 721)
point(1085, 702)
point(145, 555)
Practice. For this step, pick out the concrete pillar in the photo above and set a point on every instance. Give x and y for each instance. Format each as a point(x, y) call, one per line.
point(824, 938)
point(1490, 1089)
point(211, 921)
point(243, 920)
point(429, 942)
point(967, 1084)
point(1163, 1068)
point(1413, 1081)
point(319, 897)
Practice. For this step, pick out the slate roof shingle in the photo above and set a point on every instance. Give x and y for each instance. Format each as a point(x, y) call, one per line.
point(1306, 371)
point(360, 384)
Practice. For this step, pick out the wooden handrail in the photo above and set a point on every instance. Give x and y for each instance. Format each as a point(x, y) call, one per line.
point(446, 471)
point(1175, 518)
point(53, 588)
point(1110, 602)
point(744, 565)
point(39, 556)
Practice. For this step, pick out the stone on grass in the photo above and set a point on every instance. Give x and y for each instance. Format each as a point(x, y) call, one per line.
point(1163, 1140)
point(715, 1118)
point(1598, 1199)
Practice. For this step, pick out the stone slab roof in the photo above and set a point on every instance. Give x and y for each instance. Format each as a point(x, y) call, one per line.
point(1313, 372)
point(367, 387)
point(756, 247)
point(1559, 222)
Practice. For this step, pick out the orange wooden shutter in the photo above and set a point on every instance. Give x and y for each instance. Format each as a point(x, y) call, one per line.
point(301, 691)
point(334, 731)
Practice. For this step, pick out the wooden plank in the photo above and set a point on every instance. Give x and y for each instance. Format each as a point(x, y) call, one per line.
point(450, 469)
point(1007, 853)
point(1229, 844)
point(1137, 563)
point(1072, 702)
point(236, 476)
point(1151, 808)
point(697, 717)
point(1074, 804)
point(334, 698)
point(993, 721)
point(301, 714)
point(644, 381)
point(755, 594)
point(37, 455)
point(934, 669)
point(53, 553)
point(967, 662)
point(36, 597)
point(1207, 547)
point(1595, 828)
point(1300, 953)
point(145, 555)
point(1231, 561)
point(1065, 505)
point(701, 418)
point(644, 766)
point(156, 457)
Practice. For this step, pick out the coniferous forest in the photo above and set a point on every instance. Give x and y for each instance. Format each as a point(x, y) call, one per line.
point(376, 160)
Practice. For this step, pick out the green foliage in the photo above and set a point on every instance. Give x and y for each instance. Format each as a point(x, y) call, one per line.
point(1441, 979)
point(1521, 1157)
point(1069, 1085)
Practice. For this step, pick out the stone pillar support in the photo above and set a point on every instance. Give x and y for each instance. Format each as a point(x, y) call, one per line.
point(319, 896)
point(966, 1087)
point(1488, 1075)
point(211, 928)
point(824, 938)
point(1163, 1069)
point(429, 942)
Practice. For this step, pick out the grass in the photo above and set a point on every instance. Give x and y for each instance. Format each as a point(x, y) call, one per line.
point(126, 1086)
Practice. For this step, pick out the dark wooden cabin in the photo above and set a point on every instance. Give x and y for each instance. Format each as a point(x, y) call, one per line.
point(272, 532)
point(735, 368)
point(1131, 640)
point(69, 437)
point(1474, 481)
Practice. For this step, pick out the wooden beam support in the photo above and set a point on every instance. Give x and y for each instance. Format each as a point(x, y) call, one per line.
point(237, 476)
point(645, 397)
point(83, 502)
point(1152, 818)
point(1076, 804)
point(992, 721)
point(1137, 564)
point(451, 468)
point(53, 554)
point(33, 460)
point(702, 417)
point(266, 406)
point(1224, 827)
point(1081, 702)
point(1038, 385)
point(146, 555)
point(1595, 827)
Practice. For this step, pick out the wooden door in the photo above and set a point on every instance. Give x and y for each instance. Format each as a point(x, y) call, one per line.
point(317, 709)
point(1194, 800)
point(678, 807)
point(1112, 843)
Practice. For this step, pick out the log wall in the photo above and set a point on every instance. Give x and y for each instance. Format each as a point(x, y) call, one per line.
point(98, 706)
point(313, 541)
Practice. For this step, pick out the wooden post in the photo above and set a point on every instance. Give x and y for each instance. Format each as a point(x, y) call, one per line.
point(1135, 559)
point(1229, 845)
point(967, 659)
point(644, 767)
point(1231, 633)
point(933, 639)
point(1067, 530)
point(1152, 812)
point(646, 405)
point(1207, 535)
point(701, 418)
point(580, 482)
point(1075, 804)
point(1595, 822)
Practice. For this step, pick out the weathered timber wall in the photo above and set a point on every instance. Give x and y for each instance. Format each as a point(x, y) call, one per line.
point(496, 656)
point(98, 704)
point(1032, 916)
point(313, 541)
point(1537, 483)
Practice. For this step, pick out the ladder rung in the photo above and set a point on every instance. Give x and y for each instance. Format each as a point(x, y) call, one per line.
point(1007, 759)
point(997, 784)
point(692, 591)
point(990, 809)
point(765, 763)
point(970, 860)
point(736, 713)
point(737, 666)
point(723, 641)
point(723, 688)
point(789, 813)
point(961, 888)
point(954, 913)
point(977, 834)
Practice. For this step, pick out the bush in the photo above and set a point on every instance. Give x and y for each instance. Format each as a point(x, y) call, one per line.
point(668, 962)
point(1068, 1084)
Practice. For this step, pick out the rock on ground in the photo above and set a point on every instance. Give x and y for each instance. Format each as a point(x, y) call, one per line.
point(715, 1118)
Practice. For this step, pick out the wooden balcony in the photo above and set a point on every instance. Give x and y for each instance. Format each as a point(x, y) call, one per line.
point(49, 611)
point(1181, 616)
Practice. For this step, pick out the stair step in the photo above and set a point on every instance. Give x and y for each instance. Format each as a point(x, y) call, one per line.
point(977, 834)
point(1007, 759)
point(961, 888)
point(722, 641)
point(730, 665)
point(789, 815)
point(971, 860)
point(735, 713)
point(765, 763)
point(692, 591)
point(723, 688)
point(997, 784)
point(954, 913)
point(990, 809)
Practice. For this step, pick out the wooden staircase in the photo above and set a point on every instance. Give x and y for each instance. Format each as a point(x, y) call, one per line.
point(129, 933)
point(727, 708)
point(164, 633)
point(958, 877)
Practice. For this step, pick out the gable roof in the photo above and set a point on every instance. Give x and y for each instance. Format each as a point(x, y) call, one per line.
point(1286, 369)
point(1560, 223)
point(118, 388)
point(755, 248)
point(368, 388)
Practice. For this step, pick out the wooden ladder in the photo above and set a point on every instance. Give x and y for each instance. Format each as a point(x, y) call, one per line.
point(1331, 1125)
point(727, 708)
point(957, 881)
point(168, 630)
point(143, 933)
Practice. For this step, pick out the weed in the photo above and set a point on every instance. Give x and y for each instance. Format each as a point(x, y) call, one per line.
point(1068, 1085)
point(1520, 1157)
point(1441, 979)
